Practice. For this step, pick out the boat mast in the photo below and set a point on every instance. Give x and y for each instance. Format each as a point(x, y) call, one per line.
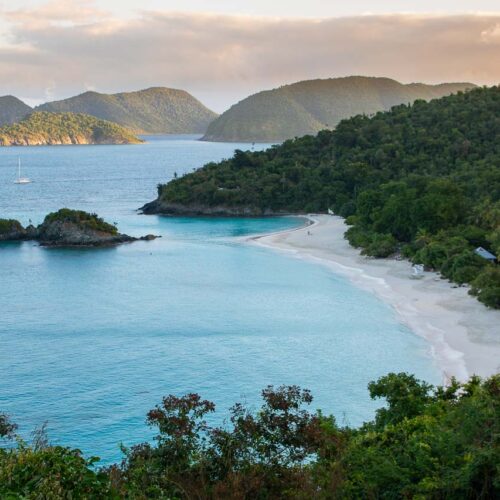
point(18, 167)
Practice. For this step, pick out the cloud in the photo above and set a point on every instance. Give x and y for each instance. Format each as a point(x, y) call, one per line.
point(65, 12)
point(221, 58)
point(492, 34)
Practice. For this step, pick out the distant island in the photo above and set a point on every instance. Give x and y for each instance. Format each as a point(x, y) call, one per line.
point(43, 128)
point(156, 110)
point(420, 181)
point(67, 228)
point(310, 106)
point(269, 116)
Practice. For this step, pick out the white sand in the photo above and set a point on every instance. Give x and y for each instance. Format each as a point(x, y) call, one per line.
point(463, 335)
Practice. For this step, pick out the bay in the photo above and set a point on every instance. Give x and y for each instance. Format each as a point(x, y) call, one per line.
point(90, 340)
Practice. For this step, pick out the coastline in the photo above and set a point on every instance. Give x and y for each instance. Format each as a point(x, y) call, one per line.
point(463, 335)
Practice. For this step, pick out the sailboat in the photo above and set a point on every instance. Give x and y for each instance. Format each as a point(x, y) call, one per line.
point(21, 180)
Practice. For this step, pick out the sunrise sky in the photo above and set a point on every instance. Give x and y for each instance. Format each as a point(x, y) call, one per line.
point(221, 51)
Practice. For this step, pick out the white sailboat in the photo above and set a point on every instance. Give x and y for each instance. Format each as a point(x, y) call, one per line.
point(21, 180)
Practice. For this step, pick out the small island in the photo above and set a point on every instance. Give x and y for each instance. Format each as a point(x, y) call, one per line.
point(43, 129)
point(68, 228)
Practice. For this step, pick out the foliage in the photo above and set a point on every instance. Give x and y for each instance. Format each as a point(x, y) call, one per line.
point(426, 442)
point(82, 219)
point(7, 428)
point(486, 286)
point(310, 106)
point(64, 128)
point(9, 225)
point(251, 458)
point(50, 473)
point(155, 110)
point(425, 177)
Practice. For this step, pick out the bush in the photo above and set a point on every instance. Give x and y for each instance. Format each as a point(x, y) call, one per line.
point(358, 237)
point(54, 472)
point(463, 267)
point(425, 442)
point(486, 286)
point(381, 245)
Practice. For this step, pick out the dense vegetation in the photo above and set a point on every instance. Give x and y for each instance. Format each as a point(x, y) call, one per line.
point(64, 128)
point(12, 109)
point(81, 219)
point(425, 443)
point(421, 179)
point(310, 106)
point(8, 226)
point(155, 110)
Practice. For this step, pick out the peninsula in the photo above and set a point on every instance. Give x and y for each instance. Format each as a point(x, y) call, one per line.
point(67, 228)
point(421, 181)
point(43, 128)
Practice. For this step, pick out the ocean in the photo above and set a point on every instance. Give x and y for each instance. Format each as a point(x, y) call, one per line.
point(91, 339)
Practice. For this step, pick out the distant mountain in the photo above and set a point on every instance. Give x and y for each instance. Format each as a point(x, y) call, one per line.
point(156, 110)
point(43, 128)
point(12, 109)
point(310, 106)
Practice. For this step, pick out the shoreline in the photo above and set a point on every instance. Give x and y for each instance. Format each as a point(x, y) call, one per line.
point(463, 335)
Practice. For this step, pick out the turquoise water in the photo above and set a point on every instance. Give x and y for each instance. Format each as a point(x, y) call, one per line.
point(90, 340)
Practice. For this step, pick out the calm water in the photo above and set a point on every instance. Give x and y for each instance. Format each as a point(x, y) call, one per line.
point(90, 340)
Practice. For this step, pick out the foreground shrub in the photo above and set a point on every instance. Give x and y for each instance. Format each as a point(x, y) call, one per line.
point(426, 442)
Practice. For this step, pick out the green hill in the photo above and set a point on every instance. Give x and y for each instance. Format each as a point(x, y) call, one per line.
point(422, 179)
point(43, 128)
point(154, 111)
point(12, 109)
point(310, 106)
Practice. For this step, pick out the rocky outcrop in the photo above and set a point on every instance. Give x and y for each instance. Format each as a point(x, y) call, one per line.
point(65, 233)
point(62, 233)
point(177, 209)
point(12, 230)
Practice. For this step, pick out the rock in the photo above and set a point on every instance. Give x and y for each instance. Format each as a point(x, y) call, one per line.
point(149, 237)
point(65, 232)
point(12, 230)
point(68, 228)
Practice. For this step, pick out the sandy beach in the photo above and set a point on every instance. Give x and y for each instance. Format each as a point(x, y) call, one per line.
point(463, 335)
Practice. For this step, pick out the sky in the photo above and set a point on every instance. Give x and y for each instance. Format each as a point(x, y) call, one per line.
point(223, 50)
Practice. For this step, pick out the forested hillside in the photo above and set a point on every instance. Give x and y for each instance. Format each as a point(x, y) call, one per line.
point(156, 110)
point(422, 179)
point(310, 106)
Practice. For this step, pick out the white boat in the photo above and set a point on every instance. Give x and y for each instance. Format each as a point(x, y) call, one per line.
point(21, 180)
